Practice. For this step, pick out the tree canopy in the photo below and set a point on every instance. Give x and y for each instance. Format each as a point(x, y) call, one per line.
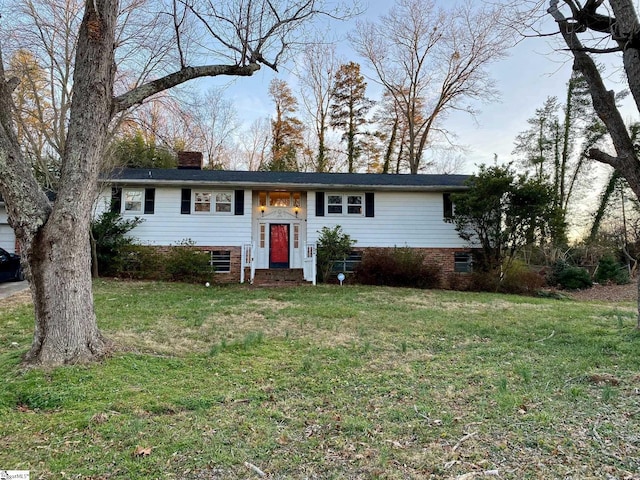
point(501, 212)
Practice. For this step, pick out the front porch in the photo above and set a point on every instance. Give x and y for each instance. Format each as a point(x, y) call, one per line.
point(278, 276)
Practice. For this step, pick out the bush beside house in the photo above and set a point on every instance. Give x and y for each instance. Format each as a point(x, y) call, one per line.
point(398, 267)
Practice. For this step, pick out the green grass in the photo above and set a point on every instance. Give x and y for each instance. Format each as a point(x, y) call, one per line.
point(329, 382)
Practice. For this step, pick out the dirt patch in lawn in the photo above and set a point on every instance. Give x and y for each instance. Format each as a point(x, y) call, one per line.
point(16, 300)
point(608, 293)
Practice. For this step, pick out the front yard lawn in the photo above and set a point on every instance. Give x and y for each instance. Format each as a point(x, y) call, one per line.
point(329, 382)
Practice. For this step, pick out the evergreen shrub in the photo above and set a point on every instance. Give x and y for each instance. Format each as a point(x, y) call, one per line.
point(609, 270)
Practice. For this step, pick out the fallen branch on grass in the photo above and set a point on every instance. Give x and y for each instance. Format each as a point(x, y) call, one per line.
point(466, 437)
point(256, 470)
point(486, 473)
point(546, 338)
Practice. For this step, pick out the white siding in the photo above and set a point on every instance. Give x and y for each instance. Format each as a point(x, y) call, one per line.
point(411, 219)
point(167, 226)
point(7, 237)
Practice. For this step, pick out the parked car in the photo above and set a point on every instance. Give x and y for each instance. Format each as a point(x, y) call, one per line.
point(10, 268)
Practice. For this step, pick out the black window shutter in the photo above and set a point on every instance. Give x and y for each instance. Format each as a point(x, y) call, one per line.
point(319, 204)
point(369, 210)
point(239, 202)
point(149, 200)
point(447, 206)
point(185, 204)
point(116, 199)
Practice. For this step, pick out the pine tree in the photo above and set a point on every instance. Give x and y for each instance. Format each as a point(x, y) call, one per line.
point(349, 109)
point(286, 129)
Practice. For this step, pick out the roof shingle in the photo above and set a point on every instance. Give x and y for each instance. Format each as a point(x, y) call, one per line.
point(301, 180)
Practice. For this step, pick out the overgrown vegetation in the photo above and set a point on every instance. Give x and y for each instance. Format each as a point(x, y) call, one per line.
point(517, 278)
point(501, 213)
point(397, 267)
point(333, 245)
point(183, 262)
point(328, 382)
point(109, 234)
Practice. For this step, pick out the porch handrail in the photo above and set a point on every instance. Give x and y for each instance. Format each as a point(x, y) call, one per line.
point(248, 260)
point(310, 260)
point(253, 262)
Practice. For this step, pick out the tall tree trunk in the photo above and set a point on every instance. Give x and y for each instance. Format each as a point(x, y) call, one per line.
point(65, 328)
point(602, 206)
point(321, 164)
point(59, 254)
point(390, 146)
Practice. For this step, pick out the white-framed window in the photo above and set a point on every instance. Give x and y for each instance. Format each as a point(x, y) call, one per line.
point(334, 204)
point(212, 202)
point(202, 202)
point(133, 200)
point(354, 204)
point(345, 204)
point(223, 202)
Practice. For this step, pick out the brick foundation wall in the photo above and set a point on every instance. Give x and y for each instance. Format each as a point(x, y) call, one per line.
point(221, 278)
point(444, 258)
point(235, 263)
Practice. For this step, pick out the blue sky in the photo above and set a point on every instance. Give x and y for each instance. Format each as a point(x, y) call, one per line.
point(533, 71)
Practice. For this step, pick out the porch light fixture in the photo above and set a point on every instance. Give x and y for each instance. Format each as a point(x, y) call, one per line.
point(262, 207)
point(296, 209)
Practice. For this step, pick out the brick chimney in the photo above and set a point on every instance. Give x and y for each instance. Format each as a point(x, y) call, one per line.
point(190, 160)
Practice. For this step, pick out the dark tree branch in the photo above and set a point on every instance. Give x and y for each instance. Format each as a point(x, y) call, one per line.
point(603, 157)
point(141, 93)
point(595, 50)
point(603, 100)
point(177, 24)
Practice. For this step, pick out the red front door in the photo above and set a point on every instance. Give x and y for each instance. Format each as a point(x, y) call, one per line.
point(279, 245)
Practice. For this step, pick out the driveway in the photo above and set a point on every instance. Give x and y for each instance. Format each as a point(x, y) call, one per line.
point(9, 288)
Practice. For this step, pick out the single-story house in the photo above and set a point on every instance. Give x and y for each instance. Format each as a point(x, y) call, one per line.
point(261, 221)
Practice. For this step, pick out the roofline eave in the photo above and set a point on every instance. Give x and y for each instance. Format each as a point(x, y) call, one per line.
point(286, 186)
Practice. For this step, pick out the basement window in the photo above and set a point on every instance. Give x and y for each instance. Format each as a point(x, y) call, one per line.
point(220, 261)
point(463, 262)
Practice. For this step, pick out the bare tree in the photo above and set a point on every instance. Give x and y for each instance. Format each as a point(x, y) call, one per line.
point(213, 121)
point(54, 236)
point(34, 116)
point(255, 144)
point(316, 75)
point(43, 36)
point(432, 61)
point(46, 31)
